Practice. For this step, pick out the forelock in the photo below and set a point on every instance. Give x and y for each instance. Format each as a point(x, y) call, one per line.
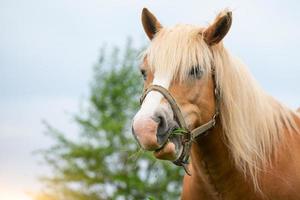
point(176, 50)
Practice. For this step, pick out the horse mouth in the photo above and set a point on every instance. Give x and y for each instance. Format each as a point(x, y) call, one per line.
point(171, 148)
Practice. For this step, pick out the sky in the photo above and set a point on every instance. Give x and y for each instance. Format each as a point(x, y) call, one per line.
point(48, 49)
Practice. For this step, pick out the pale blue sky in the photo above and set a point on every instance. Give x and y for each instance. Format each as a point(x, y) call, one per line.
point(48, 48)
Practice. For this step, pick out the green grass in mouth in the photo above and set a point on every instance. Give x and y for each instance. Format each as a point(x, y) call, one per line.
point(179, 131)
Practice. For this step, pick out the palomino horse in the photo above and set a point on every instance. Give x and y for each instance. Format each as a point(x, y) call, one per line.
point(244, 144)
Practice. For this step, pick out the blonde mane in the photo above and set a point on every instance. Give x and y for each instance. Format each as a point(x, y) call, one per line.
point(251, 119)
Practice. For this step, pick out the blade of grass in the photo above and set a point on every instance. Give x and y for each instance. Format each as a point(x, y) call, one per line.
point(179, 131)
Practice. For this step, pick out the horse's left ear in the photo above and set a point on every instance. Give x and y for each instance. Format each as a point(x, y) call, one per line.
point(220, 27)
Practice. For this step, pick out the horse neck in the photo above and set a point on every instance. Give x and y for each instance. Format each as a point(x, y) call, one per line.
point(213, 164)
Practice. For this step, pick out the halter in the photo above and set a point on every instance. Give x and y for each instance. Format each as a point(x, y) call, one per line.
point(189, 136)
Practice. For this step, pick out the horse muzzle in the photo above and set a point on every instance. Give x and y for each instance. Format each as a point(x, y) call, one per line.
point(154, 133)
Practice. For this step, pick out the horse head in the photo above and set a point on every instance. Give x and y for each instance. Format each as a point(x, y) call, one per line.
point(178, 60)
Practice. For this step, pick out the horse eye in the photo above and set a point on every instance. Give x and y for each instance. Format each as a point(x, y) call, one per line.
point(144, 74)
point(196, 72)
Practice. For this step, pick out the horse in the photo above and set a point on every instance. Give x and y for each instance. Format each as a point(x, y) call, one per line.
point(242, 143)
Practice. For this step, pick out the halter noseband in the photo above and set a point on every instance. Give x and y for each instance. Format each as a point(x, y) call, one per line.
point(189, 136)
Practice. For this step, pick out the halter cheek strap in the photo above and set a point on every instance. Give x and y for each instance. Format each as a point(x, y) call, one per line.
point(189, 136)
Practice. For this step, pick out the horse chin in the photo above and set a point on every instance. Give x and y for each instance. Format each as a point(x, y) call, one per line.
point(170, 150)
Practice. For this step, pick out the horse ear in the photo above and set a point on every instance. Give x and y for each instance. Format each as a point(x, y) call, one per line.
point(220, 27)
point(150, 23)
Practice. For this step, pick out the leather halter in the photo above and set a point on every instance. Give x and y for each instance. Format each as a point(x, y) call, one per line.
point(189, 136)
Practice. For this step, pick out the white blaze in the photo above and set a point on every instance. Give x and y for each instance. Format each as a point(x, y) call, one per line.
point(153, 98)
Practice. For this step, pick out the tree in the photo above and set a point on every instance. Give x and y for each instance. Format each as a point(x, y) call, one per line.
point(105, 162)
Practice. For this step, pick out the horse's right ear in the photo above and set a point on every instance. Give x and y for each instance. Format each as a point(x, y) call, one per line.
point(150, 23)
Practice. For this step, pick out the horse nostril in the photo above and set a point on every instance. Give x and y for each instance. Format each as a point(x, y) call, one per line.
point(157, 119)
point(161, 124)
point(162, 127)
point(160, 121)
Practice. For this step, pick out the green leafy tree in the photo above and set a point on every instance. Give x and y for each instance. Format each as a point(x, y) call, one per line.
point(104, 162)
